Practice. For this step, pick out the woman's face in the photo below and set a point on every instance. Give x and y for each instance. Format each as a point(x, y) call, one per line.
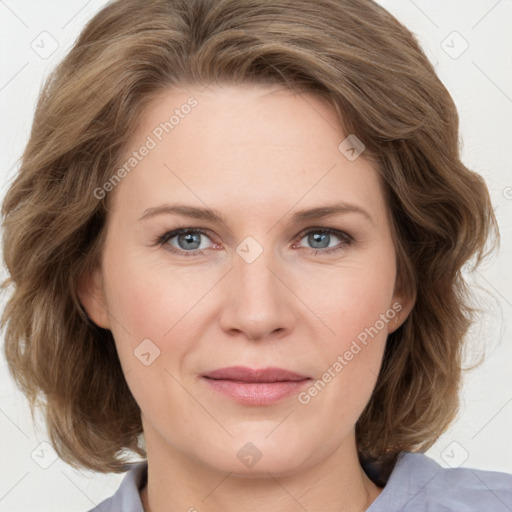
point(285, 262)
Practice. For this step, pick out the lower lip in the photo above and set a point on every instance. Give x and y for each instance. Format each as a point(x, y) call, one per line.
point(257, 393)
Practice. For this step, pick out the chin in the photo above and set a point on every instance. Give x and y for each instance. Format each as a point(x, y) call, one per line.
point(256, 456)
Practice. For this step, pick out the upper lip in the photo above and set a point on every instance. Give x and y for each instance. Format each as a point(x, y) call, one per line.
point(245, 374)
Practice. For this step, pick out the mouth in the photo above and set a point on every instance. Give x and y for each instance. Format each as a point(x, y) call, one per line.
point(249, 386)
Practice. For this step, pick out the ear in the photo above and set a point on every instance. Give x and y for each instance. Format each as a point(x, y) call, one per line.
point(92, 297)
point(402, 304)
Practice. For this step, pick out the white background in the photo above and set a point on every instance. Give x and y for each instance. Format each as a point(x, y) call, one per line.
point(480, 81)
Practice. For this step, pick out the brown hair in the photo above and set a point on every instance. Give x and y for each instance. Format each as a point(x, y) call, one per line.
point(352, 53)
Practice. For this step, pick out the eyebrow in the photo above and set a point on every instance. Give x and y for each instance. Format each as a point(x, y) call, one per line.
point(320, 212)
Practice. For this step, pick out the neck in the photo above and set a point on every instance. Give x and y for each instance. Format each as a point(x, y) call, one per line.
point(337, 483)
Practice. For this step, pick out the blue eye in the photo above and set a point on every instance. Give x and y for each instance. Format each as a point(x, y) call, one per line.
point(320, 239)
point(188, 241)
point(192, 242)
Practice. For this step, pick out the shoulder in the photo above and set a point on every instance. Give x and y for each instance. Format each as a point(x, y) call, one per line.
point(127, 497)
point(418, 483)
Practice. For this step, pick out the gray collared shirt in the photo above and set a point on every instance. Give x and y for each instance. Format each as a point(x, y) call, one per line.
point(416, 484)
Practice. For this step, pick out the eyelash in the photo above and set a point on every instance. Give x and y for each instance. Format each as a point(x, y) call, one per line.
point(345, 238)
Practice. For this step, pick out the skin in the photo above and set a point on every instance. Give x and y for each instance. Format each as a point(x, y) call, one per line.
point(256, 154)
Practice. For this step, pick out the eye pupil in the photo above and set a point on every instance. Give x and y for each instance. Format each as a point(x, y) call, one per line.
point(189, 238)
point(319, 238)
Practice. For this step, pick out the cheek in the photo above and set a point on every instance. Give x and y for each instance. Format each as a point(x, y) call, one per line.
point(351, 298)
point(149, 320)
point(151, 301)
point(350, 362)
point(357, 307)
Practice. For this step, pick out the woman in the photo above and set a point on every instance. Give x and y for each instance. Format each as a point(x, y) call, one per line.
point(235, 245)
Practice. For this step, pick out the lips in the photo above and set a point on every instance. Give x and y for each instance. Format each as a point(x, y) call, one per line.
point(249, 386)
point(263, 375)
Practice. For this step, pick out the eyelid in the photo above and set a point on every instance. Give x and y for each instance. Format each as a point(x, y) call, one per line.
point(178, 231)
point(163, 239)
point(323, 229)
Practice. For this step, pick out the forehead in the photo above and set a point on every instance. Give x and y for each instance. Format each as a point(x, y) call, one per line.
point(252, 144)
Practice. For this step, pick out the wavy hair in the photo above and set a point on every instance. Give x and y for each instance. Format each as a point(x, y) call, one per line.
point(352, 53)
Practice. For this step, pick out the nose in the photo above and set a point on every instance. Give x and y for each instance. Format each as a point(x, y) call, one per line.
point(257, 301)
